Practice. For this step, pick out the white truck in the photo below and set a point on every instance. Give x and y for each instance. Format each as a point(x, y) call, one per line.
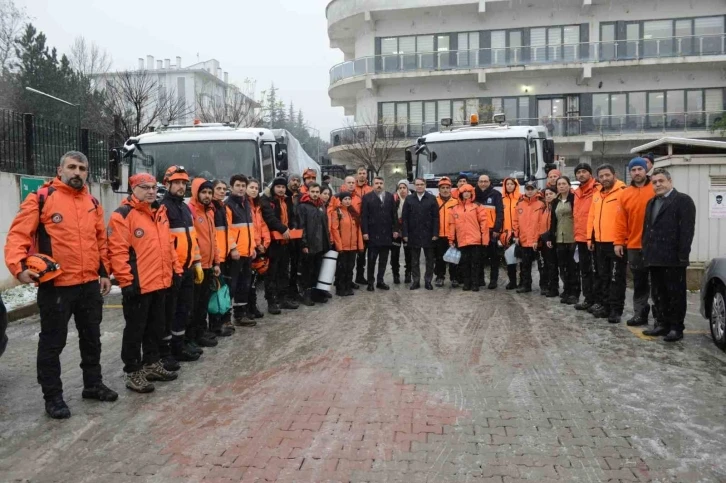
point(497, 150)
point(211, 150)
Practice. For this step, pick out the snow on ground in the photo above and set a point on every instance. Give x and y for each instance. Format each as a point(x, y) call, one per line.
point(19, 296)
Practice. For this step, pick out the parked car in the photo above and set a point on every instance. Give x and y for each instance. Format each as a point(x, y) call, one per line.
point(3, 327)
point(713, 299)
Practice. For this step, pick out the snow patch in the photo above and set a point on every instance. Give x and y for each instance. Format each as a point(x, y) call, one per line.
point(19, 296)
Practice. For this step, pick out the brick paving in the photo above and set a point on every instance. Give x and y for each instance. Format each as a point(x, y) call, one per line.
point(387, 387)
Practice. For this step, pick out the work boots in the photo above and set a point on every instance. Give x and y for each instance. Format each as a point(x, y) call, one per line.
point(99, 392)
point(170, 364)
point(273, 307)
point(243, 318)
point(308, 298)
point(407, 277)
point(156, 372)
point(396, 278)
point(512, 275)
point(288, 304)
point(136, 381)
point(57, 408)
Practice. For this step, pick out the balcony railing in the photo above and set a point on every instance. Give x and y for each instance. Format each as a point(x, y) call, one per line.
point(659, 48)
point(647, 124)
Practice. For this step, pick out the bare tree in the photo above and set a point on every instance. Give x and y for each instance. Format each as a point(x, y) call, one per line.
point(88, 58)
point(372, 146)
point(229, 104)
point(137, 102)
point(12, 19)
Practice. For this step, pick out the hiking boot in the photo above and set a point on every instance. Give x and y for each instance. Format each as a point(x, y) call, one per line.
point(584, 305)
point(407, 277)
point(289, 305)
point(354, 286)
point(57, 408)
point(552, 294)
point(308, 299)
point(186, 355)
point(636, 321)
point(454, 284)
point(156, 372)
point(524, 289)
point(396, 279)
point(99, 392)
point(673, 336)
point(361, 280)
point(614, 317)
point(273, 308)
point(542, 291)
point(493, 285)
point(244, 320)
point(170, 364)
point(255, 312)
point(193, 347)
point(475, 288)
point(571, 300)
point(223, 331)
point(206, 341)
point(136, 381)
point(594, 308)
point(439, 282)
point(511, 286)
point(349, 292)
point(601, 313)
point(656, 331)
point(466, 288)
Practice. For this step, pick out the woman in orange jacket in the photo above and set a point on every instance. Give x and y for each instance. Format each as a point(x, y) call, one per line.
point(528, 229)
point(510, 197)
point(348, 241)
point(469, 231)
point(548, 284)
point(262, 242)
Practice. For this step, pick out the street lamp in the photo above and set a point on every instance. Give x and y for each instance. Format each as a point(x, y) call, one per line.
point(77, 106)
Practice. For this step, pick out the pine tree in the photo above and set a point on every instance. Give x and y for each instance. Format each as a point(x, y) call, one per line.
point(270, 107)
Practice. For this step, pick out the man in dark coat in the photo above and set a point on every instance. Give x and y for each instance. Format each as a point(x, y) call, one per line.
point(668, 228)
point(315, 242)
point(488, 196)
point(420, 230)
point(378, 225)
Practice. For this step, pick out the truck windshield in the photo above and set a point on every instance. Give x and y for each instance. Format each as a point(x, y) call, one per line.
point(208, 159)
point(498, 158)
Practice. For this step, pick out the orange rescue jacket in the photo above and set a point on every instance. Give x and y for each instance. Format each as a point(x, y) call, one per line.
point(204, 227)
point(631, 215)
point(240, 221)
point(603, 213)
point(345, 230)
point(468, 224)
point(509, 200)
point(70, 229)
point(583, 201)
point(445, 215)
point(183, 233)
point(262, 233)
point(529, 222)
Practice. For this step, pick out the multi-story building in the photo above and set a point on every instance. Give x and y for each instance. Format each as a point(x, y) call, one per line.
point(602, 75)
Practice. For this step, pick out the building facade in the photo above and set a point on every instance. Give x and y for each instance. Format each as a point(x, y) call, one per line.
point(602, 75)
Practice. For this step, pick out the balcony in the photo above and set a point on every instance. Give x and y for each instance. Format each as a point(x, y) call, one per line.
point(640, 126)
point(692, 47)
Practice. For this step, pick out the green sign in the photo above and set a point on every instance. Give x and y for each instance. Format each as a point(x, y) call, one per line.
point(28, 185)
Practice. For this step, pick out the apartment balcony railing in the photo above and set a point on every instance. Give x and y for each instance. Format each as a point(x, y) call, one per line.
point(646, 124)
point(658, 48)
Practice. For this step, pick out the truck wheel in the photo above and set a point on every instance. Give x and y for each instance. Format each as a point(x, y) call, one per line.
point(718, 317)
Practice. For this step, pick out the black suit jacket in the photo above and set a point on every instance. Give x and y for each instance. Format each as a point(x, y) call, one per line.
point(667, 239)
point(378, 220)
point(420, 220)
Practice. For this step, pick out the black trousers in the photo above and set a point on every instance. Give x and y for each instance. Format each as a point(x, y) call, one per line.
point(548, 272)
point(380, 254)
point(345, 268)
point(57, 305)
point(277, 276)
point(568, 267)
point(216, 321)
point(529, 257)
point(296, 256)
point(440, 247)
point(489, 255)
point(310, 269)
point(361, 257)
point(468, 270)
point(179, 306)
point(197, 324)
point(669, 296)
point(641, 282)
point(416, 264)
point(609, 289)
point(144, 316)
point(586, 268)
point(396, 258)
point(239, 286)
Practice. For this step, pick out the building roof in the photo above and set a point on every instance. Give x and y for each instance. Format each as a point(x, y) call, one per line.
point(681, 146)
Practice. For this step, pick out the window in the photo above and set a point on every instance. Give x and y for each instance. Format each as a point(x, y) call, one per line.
point(554, 39)
point(425, 49)
point(709, 35)
point(416, 118)
point(444, 110)
point(510, 108)
point(655, 109)
point(388, 113)
point(608, 45)
point(675, 101)
point(432, 123)
point(713, 105)
point(459, 114)
point(694, 108)
point(538, 44)
point(657, 38)
point(468, 54)
point(523, 111)
point(636, 110)
point(684, 40)
point(401, 119)
point(443, 44)
point(571, 47)
point(389, 54)
point(407, 50)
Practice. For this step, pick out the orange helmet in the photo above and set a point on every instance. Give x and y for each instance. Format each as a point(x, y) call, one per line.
point(261, 264)
point(46, 268)
point(310, 173)
point(444, 180)
point(176, 173)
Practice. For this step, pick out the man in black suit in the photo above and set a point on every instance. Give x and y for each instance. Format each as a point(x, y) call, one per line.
point(378, 225)
point(420, 230)
point(668, 228)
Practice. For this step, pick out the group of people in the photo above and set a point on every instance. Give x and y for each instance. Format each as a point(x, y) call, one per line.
point(170, 257)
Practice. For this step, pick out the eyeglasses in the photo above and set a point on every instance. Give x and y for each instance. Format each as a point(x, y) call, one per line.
point(144, 187)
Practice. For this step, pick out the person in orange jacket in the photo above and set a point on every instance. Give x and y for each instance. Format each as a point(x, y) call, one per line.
point(221, 325)
point(361, 188)
point(629, 233)
point(347, 240)
point(180, 299)
point(528, 230)
point(445, 201)
point(510, 196)
point(469, 231)
point(309, 177)
point(548, 280)
point(583, 201)
point(145, 264)
point(203, 214)
point(64, 221)
point(262, 242)
point(609, 289)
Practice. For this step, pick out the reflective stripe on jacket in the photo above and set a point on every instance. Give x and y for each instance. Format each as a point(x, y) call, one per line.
point(241, 225)
point(444, 215)
point(204, 227)
point(181, 226)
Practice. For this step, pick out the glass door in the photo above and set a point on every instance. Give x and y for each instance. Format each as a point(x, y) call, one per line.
point(551, 113)
point(443, 51)
point(515, 47)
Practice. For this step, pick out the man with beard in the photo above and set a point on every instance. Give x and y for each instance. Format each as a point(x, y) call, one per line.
point(491, 199)
point(294, 192)
point(242, 237)
point(379, 228)
point(583, 200)
point(360, 189)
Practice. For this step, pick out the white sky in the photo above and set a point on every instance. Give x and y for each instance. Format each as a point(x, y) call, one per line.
point(284, 41)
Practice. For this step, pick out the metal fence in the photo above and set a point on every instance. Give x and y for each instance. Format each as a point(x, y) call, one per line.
point(32, 145)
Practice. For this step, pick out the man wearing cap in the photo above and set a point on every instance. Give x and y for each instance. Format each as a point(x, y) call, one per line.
point(65, 222)
point(491, 199)
point(461, 180)
point(445, 201)
point(629, 233)
point(399, 198)
point(180, 301)
point(309, 177)
point(145, 263)
point(586, 265)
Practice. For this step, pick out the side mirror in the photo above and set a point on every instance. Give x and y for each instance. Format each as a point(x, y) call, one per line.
point(281, 156)
point(433, 156)
point(409, 165)
point(548, 148)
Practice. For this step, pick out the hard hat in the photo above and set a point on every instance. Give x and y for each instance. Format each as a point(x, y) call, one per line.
point(444, 180)
point(46, 268)
point(261, 264)
point(176, 173)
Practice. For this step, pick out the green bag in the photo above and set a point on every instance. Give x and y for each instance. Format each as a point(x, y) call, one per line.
point(220, 302)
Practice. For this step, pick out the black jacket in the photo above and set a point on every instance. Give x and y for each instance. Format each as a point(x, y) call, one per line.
point(271, 213)
point(314, 223)
point(551, 235)
point(180, 216)
point(378, 220)
point(667, 241)
point(420, 220)
point(491, 197)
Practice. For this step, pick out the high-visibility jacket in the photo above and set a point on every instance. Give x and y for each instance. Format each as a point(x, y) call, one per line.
point(469, 224)
point(529, 222)
point(345, 230)
point(631, 215)
point(204, 227)
point(509, 200)
point(603, 213)
point(241, 224)
point(221, 230)
point(361, 191)
point(70, 229)
point(445, 215)
point(583, 201)
point(141, 246)
point(182, 230)
point(262, 233)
